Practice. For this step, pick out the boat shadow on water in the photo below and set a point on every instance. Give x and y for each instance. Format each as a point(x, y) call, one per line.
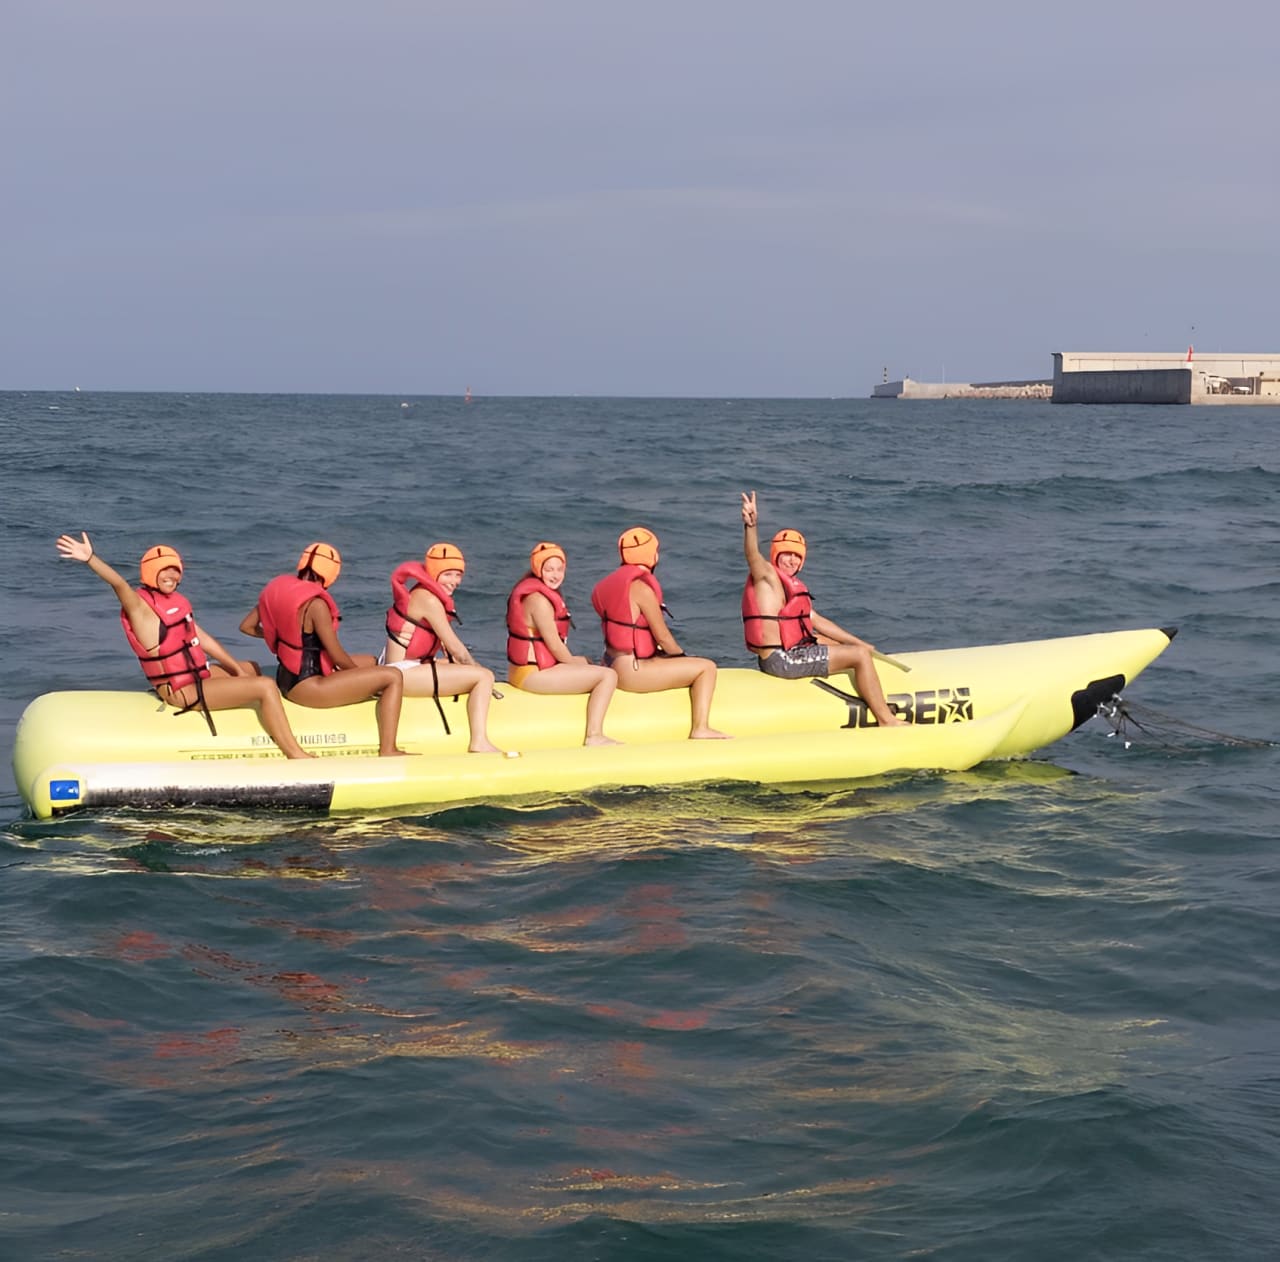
point(789, 822)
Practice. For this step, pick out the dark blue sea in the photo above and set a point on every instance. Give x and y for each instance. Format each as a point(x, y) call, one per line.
point(1027, 1012)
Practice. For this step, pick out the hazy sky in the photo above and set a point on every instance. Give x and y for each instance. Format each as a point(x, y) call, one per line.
point(588, 197)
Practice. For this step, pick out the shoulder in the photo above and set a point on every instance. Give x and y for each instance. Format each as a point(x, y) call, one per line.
point(424, 598)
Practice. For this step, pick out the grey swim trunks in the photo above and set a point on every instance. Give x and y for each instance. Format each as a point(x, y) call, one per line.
point(802, 662)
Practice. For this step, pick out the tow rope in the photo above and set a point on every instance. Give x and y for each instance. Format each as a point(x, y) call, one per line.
point(1128, 720)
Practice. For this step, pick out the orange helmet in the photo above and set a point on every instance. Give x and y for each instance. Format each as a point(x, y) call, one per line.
point(542, 553)
point(787, 541)
point(443, 556)
point(638, 546)
point(161, 557)
point(323, 560)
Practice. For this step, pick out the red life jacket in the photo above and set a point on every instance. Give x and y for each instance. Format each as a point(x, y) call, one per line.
point(177, 660)
point(794, 626)
point(422, 642)
point(280, 611)
point(521, 634)
point(611, 599)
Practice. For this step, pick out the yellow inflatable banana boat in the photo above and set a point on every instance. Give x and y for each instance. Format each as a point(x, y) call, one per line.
point(77, 750)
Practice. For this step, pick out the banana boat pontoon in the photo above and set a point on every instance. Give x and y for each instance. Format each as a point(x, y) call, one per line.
point(78, 750)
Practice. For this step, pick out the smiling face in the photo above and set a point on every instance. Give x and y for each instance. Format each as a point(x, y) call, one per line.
point(449, 580)
point(789, 563)
point(553, 572)
point(168, 579)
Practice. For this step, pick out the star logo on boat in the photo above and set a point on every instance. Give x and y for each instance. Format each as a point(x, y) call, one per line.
point(956, 707)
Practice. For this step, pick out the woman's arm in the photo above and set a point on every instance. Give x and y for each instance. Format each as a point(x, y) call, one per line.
point(647, 603)
point(220, 655)
point(537, 608)
point(316, 618)
point(142, 618)
point(251, 624)
point(82, 550)
point(426, 607)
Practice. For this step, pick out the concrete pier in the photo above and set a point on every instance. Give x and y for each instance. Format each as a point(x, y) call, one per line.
point(1160, 377)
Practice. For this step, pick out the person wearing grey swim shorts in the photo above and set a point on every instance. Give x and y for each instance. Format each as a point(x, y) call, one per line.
point(805, 661)
point(790, 638)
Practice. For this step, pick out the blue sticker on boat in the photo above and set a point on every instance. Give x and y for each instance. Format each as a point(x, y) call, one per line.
point(64, 790)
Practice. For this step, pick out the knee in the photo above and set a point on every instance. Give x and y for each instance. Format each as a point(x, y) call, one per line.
point(850, 657)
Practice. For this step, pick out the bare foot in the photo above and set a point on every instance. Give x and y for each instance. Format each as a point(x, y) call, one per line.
point(893, 721)
point(394, 753)
point(483, 747)
point(602, 739)
point(708, 734)
point(302, 753)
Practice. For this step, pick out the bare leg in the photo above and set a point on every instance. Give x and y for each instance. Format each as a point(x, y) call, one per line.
point(217, 671)
point(344, 687)
point(456, 680)
point(856, 658)
point(597, 704)
point(657, 674)
point(388, 714)
point(570, 678)
point(478, 718)
point(232, 692)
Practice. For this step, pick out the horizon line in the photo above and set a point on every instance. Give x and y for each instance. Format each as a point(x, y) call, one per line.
point(385, 394)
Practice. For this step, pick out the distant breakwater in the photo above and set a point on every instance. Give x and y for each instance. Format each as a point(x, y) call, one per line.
point(909, 389)
point(1033, 390)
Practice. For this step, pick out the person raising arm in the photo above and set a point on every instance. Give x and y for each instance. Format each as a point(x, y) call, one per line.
point(174, 650)
point(790, 639)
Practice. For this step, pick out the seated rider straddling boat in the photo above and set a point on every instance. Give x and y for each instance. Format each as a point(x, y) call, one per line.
point(638, 644)
point(789, 637)
point(174, 650)
point(538, 623)
point(419, 628)
point(299, 621)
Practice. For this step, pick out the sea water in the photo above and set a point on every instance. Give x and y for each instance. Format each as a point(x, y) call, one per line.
point(1029, 1011)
